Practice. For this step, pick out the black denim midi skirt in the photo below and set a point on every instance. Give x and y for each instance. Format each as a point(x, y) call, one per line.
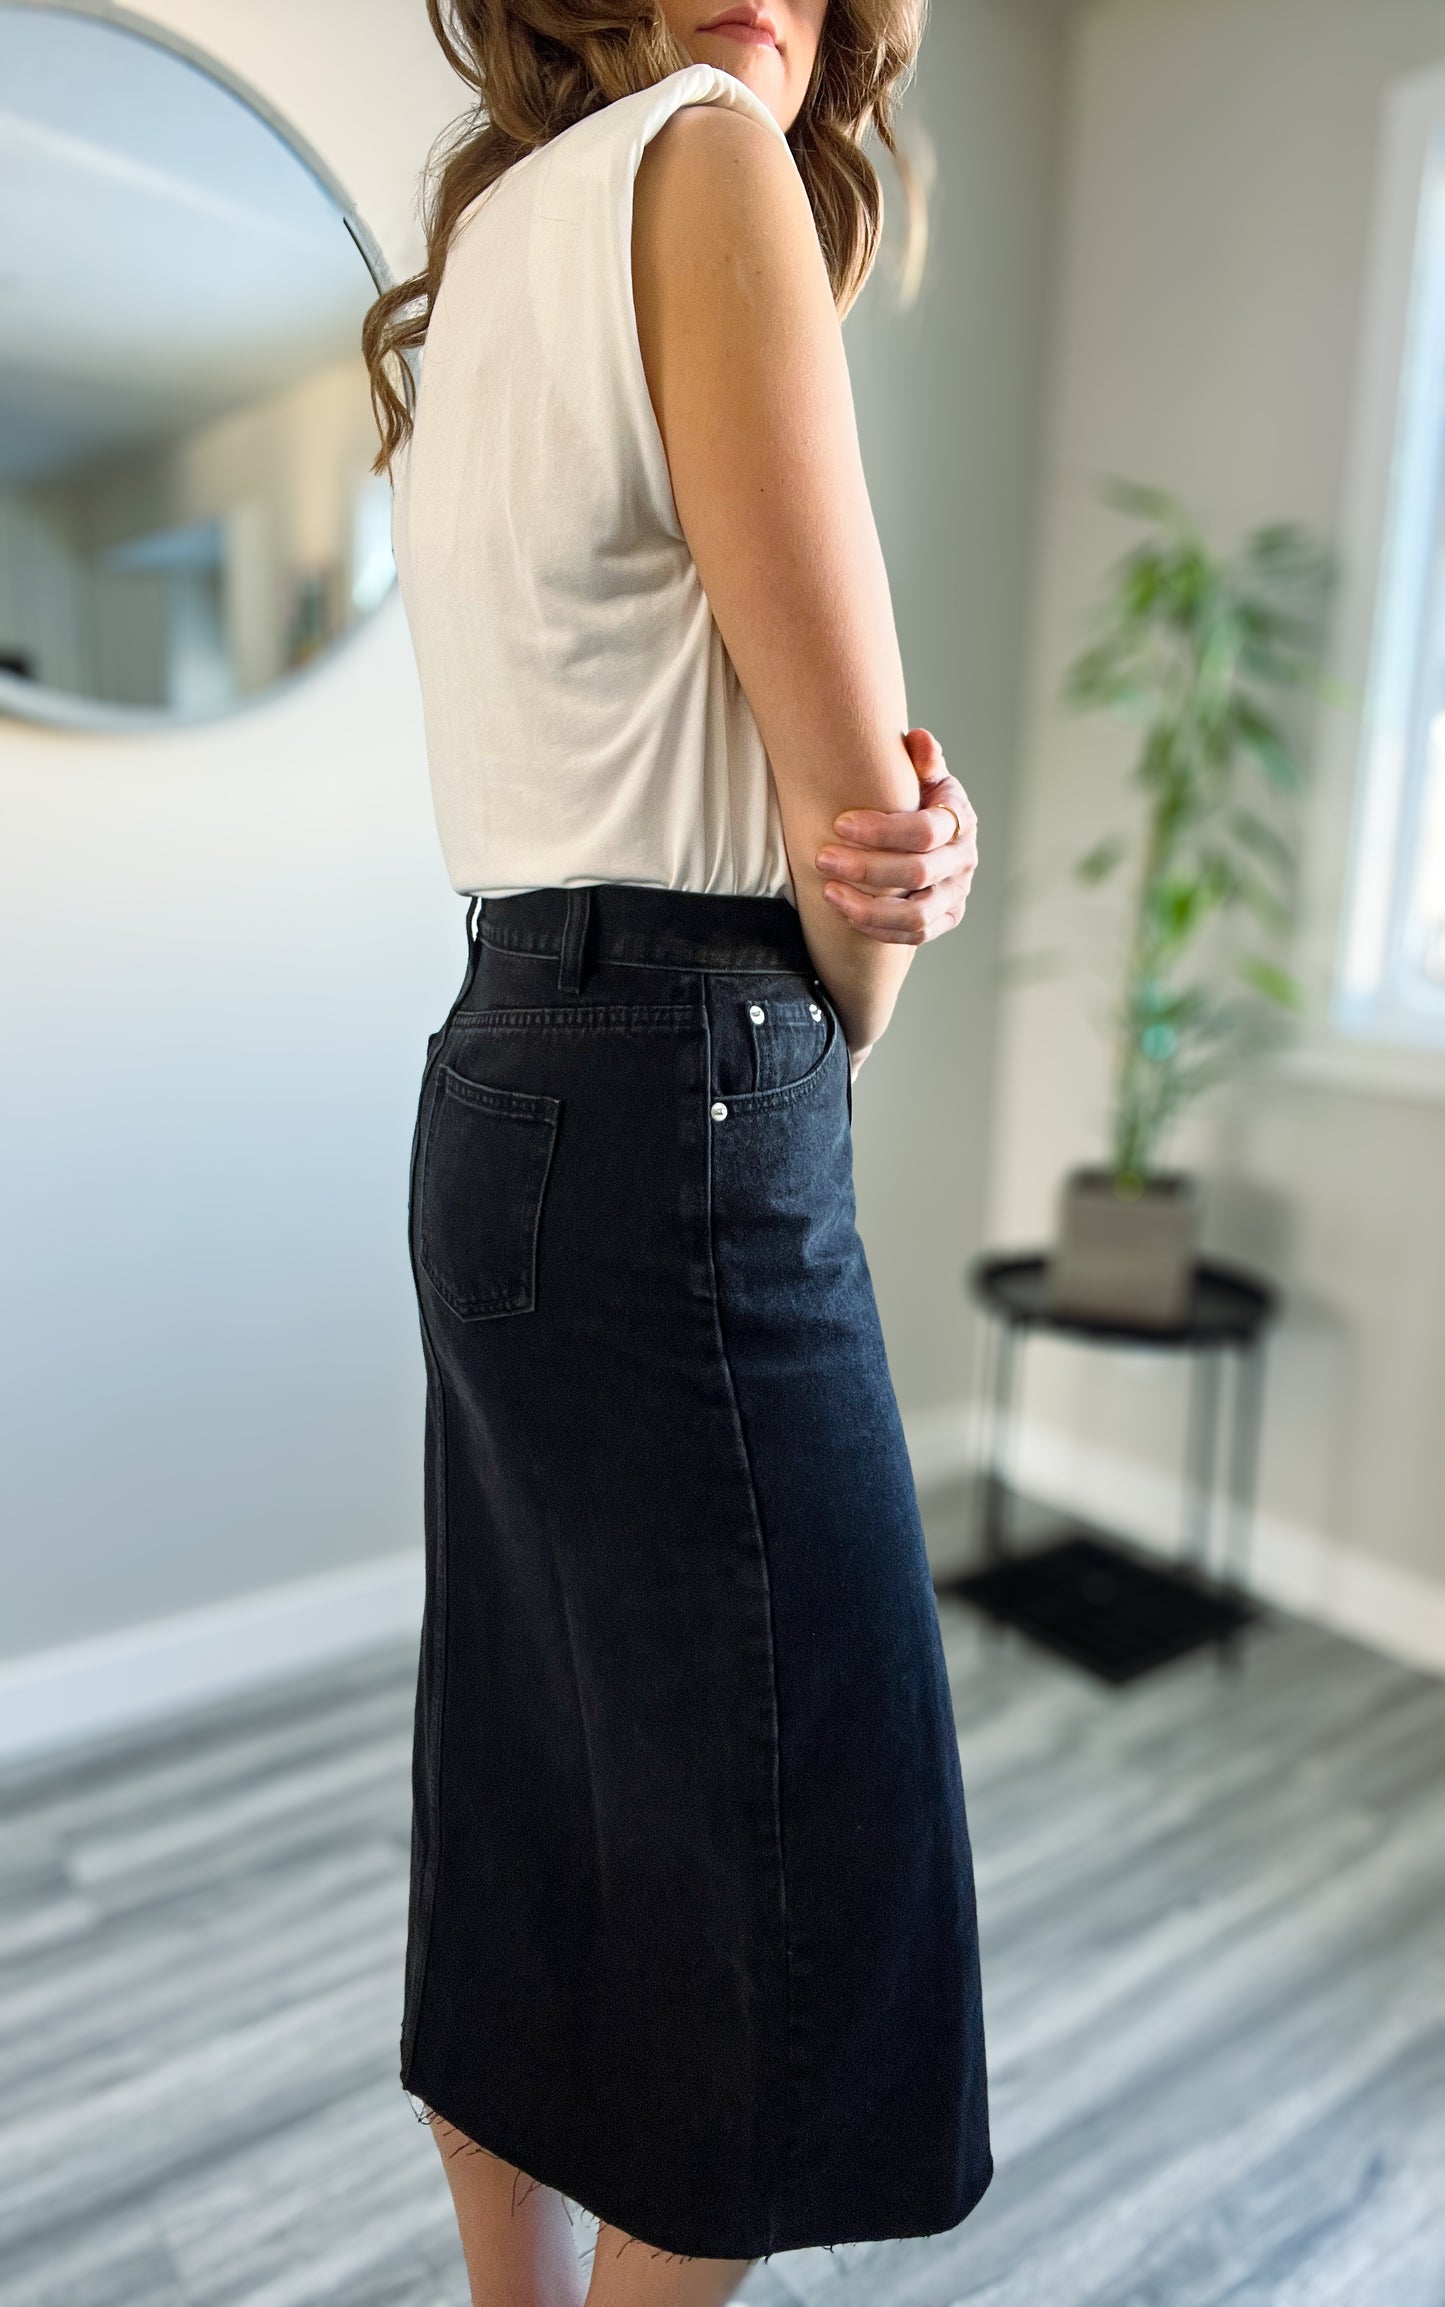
point(692, 1934)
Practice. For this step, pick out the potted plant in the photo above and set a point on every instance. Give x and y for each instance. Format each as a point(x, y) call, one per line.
point(1197, 651)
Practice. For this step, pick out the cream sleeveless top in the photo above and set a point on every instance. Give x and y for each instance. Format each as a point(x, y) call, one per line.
point(583, 719)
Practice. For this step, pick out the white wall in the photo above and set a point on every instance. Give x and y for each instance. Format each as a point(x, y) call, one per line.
point(223, 950)
point(222, 953)
point(1217, 209)
point(950, 398)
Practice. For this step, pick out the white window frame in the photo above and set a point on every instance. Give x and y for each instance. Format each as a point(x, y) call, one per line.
point(1360, 1033)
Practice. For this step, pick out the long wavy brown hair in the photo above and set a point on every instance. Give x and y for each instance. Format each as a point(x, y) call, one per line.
point(536, 67)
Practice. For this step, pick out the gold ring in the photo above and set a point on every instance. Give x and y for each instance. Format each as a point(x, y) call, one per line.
point(957, 820)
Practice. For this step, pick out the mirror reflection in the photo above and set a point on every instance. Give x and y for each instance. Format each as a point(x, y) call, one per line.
point(186, 511)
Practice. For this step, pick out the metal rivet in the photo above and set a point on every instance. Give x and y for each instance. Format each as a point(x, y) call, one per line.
point(719, 1111)
point(814, 1009)
point(757, 1013)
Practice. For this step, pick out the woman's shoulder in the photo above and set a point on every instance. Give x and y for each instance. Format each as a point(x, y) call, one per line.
point(710, 182)
point(697, 115)
point(629, 124)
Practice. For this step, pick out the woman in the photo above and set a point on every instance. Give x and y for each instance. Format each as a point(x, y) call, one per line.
point(692, 1937)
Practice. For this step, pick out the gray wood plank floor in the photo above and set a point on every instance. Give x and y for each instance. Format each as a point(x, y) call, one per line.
point(1214, 1919)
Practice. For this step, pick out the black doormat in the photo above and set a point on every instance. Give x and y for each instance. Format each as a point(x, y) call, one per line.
point(1102, 1608)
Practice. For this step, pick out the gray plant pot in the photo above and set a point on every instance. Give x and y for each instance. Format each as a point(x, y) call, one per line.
point(1125, 1257)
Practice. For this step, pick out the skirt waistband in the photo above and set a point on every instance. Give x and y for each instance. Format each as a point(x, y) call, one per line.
point(625, 921)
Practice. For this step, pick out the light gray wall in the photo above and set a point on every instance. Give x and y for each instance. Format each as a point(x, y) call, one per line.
point(222, 951)
point(950, 397)
point(1217, 210)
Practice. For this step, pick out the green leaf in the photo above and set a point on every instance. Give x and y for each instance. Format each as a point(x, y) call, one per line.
point(1288, 554)
point(1274, 983)
point(1272, 668)
point(1105, 674)
point(1262, 741)
point(1273, 626)
point(1099, 862)
point(1263, 905)
point(1178, 906)
point(1146, 584)
point(1263, 842)
point(1145, 503)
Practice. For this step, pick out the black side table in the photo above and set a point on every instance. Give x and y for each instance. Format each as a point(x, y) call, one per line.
point(1087, 1596)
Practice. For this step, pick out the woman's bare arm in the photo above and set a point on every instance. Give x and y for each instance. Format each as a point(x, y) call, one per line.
point(744, 360)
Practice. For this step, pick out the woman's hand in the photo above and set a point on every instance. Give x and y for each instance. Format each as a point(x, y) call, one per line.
point(903, 876)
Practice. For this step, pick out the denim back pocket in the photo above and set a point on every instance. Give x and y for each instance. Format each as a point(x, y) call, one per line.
point(488, 1152)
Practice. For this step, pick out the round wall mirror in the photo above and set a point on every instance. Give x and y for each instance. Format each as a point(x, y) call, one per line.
point(187, 515)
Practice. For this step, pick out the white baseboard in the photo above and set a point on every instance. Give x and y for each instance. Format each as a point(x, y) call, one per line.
point(1374, 1602)
point(117, 1682)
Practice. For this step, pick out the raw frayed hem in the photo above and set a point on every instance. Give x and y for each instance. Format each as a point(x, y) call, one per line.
point(464, 2146)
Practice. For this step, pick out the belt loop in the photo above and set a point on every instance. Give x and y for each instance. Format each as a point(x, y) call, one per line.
point(574, 941)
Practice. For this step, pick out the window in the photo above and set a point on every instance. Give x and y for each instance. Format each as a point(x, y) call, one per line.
point(1389, 982)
